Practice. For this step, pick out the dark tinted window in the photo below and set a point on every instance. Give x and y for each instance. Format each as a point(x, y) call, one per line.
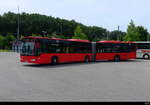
point(51, 46)
point(103, 48)
point(114, 48)
point(80, 47)
point(143, 45)
point(60, 46)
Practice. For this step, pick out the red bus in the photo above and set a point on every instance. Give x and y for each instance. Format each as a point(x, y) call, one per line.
point(42, 50)
point(115, 50)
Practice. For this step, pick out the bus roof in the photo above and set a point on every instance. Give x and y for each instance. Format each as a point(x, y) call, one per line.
point(109, 41)
point(38, 37)
point(76, 40)
point(142, 42)
point(114, 41)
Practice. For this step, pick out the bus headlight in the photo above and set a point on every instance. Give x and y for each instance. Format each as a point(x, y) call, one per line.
point(33, 59)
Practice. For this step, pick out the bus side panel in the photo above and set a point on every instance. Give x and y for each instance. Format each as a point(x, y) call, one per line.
point(75, 57)
point(110, 56)
point(127, 56)
point(47, 58)
point(72, 57)
point(132, 55)
point(105, 56)
point(63, 58)
point(80, 57)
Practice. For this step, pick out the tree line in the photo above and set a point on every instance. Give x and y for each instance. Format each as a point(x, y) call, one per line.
point(42, 25)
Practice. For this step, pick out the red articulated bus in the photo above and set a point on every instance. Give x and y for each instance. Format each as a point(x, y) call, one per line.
point(43, 50)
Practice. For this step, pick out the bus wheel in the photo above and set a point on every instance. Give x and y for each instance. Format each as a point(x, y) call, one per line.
point(146, 56)
point(54, 60)
point(117, 58)
point(86, 60)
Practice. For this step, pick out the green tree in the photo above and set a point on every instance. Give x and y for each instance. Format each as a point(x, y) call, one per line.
point(78, 34)
point(36, 23)
point(1, 42)
point(132, 33)
point(143, 33)
point(115, 34)
point(8, 41)
point(95, 33)
point(35, 35)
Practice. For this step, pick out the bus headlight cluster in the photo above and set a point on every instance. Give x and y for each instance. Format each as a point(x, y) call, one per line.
point(33, 59)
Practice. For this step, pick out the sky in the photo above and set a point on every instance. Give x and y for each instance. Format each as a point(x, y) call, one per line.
point(103, 13)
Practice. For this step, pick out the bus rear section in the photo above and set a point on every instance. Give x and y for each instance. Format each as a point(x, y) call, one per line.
point(115, 50)
point(41, 50)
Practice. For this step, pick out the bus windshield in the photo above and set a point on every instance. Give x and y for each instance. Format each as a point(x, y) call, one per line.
point(28, 48)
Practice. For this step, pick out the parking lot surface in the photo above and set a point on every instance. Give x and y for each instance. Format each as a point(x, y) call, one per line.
point(99, 81)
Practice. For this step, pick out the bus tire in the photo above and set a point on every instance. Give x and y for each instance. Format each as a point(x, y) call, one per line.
point(86, 59)
point(117, 58)
point(146, 56)
point(54, 60)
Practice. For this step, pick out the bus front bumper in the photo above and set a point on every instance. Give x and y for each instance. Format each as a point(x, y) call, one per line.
point(30, 59)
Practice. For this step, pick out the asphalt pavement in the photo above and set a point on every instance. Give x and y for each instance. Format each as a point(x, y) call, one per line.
point(99, 81)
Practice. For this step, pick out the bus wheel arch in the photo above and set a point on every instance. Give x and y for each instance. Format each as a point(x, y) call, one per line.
point(117, 58)
point(54, 60)
point(146, 56)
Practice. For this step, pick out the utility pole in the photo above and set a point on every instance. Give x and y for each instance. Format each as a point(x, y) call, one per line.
point(18, 27)
point(118, 32)
point(61, 31)
point(44, 33)
point(107, 35)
